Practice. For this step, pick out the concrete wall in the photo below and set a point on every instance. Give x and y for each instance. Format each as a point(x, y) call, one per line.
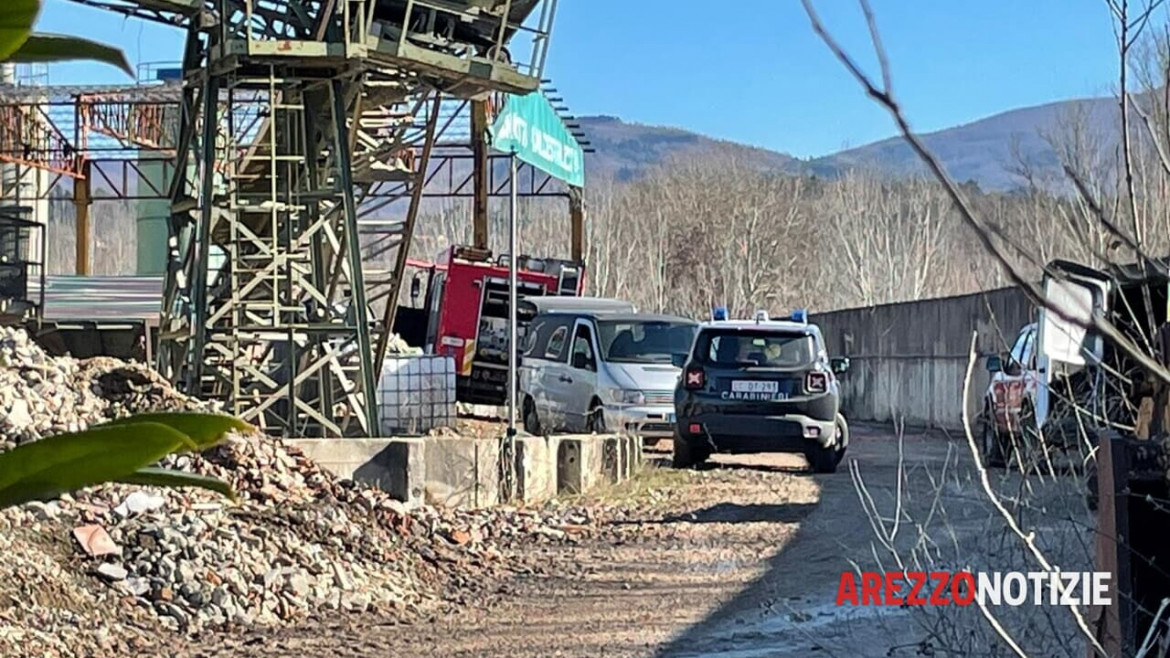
point(909, 360)
point(464, 472)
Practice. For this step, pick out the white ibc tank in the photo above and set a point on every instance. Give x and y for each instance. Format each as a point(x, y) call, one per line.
point(416, 394)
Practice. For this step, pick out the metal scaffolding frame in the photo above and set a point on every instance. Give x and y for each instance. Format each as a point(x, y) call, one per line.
point(293, 123)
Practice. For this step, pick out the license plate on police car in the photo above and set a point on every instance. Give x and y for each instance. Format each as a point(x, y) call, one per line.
point(754, 386)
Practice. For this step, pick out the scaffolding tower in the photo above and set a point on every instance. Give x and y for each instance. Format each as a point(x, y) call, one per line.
point(291, 112)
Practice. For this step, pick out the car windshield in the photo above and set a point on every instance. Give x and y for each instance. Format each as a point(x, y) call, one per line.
point(651, 341)
point(756, 349)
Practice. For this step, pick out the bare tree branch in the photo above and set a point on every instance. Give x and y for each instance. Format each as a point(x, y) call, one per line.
point(884, 98)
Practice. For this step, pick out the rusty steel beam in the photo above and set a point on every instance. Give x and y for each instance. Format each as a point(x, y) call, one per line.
point(134, 123)
point(1112, 523)
point(480, 165)
point(407, 236)
point(29, 137)
point(82, 199)
point(577, 224)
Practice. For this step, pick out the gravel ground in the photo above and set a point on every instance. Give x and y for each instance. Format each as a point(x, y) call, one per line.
point(740, 560)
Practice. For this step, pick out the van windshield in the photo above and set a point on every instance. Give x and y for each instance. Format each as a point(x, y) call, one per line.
point(732, 348)
point(651, 341)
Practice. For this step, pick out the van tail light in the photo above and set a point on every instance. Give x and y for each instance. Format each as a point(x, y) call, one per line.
point(694, 378)
point(816, 382)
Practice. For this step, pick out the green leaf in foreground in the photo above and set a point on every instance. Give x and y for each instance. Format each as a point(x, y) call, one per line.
point(68, 462)
point(16, 22)
point(204, 430)
point(161, 477)
point(59, 48)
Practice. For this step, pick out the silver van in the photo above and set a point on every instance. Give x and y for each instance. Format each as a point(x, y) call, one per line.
point(602, 368)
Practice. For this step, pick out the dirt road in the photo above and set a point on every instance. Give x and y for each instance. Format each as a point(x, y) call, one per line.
point(741, 560)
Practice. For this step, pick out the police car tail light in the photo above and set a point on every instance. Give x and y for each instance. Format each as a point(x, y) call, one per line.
point(816, 382)
point(694, 378)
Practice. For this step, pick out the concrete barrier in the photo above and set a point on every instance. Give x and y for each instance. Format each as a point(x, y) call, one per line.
point(575, 461)
point(536, 472)
point(397, 466)
point(464, 472)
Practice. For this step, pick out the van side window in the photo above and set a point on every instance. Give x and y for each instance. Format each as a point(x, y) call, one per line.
point(583, 344)
point(1019, 350)
point(556, 344)
point(532, 338)
point(1030, 351)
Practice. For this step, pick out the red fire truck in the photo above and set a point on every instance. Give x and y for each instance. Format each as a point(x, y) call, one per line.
point(466, 311)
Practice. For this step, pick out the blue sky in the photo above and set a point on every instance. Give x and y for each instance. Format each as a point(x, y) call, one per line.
point(752, 71)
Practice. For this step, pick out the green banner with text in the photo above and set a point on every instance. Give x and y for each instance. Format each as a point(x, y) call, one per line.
point(529, 127)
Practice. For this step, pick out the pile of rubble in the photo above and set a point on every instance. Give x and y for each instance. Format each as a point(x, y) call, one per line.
point(41, 395)
point(299, 541)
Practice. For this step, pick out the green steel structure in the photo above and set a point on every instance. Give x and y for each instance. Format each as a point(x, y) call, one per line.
point(292, 111)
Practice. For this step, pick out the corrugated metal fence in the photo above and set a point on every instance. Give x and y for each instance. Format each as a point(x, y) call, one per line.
point(909, 360)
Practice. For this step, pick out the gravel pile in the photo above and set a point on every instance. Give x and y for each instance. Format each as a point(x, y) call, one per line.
point(100, 573)
point(41, 395)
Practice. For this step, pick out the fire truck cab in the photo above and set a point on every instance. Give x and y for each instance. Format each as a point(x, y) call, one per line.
point(466, 313)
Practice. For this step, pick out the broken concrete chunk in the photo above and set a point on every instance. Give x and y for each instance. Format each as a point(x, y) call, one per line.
point(95, 541)
point(112, 572)
point(138, 503)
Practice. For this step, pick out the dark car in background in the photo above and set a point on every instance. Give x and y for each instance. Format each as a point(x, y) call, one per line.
point(760, 386)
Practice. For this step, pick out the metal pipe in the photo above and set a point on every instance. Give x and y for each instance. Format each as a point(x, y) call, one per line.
point(545, 38)
point(513, 332)
point(503, 31)
point(405, 26)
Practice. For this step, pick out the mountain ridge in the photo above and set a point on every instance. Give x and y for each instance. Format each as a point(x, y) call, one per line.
point(988, 151)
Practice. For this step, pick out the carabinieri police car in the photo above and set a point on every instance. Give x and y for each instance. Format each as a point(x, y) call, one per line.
point(760, 385)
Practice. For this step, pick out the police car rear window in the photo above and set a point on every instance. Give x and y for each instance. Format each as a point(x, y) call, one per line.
point(766, 349)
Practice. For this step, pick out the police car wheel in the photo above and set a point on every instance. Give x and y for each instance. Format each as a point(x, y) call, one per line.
point(842, 436)
point(825, 460)
point(686, 455)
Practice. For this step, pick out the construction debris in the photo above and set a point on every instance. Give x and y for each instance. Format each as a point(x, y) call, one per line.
point(398, 347)
point(93, 570)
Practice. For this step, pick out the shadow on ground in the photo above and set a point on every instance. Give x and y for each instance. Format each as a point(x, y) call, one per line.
point(790, 610)
point(732, 513)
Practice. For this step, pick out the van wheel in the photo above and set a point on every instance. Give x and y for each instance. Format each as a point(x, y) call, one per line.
point(991, 443)
point(531, 420)
point(1027, 444)
point(595, 424)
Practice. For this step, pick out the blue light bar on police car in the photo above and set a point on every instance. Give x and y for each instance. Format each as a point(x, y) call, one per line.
point(719, 313)
point(800, 315)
